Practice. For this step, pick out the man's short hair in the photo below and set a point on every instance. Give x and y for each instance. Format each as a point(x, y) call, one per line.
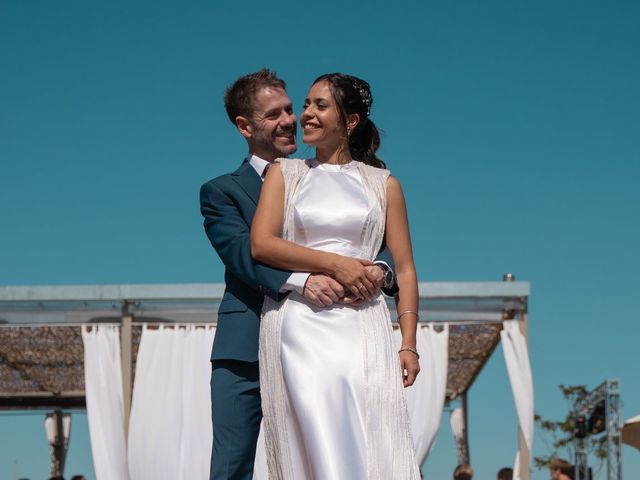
point(560, 464)
point(463, 472)
point(239, 96)
point(505, 473)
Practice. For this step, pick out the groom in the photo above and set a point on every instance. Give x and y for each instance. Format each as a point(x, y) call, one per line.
point(259, 107)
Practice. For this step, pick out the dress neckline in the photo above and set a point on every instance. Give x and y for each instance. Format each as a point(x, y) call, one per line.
point(334, 167)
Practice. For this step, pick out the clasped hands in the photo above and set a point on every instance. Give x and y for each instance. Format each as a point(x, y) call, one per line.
point(350, 281)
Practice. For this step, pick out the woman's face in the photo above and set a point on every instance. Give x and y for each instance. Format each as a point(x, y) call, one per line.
point(320, 119)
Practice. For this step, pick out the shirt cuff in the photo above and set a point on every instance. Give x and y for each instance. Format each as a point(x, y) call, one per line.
point(295, 283)
point(381, 262)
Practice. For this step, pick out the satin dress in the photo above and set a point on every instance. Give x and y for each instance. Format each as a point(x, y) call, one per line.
point(332, 420)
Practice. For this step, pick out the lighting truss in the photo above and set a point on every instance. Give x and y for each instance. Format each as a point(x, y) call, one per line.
point(600, 410)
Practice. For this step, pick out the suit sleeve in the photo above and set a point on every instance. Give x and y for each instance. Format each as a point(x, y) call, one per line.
point(230, 236)
point(384, 255)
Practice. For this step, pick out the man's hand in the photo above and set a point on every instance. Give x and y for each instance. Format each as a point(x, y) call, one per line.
point(376, 275)
point(322, 290)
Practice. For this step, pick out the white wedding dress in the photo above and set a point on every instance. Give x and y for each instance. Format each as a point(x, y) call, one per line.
point(332, 395)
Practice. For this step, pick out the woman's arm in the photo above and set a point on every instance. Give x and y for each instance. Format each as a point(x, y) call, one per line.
point(267, 246)
point(398, 241)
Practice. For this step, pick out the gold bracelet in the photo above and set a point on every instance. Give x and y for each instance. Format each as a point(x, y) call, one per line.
point(409, 311)
point(410, 349)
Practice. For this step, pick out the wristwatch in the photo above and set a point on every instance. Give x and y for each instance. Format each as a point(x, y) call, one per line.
point(388, 278)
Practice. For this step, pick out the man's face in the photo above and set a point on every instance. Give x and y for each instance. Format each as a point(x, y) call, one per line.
point(271, 131)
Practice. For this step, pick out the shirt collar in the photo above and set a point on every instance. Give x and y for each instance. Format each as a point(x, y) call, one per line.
point(257, 163)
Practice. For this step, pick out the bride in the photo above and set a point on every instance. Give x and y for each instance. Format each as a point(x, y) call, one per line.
point(330, 379)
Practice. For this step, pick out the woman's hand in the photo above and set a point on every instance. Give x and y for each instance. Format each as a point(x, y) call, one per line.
point(353, 275)
point(376, 275)
point(409, 366)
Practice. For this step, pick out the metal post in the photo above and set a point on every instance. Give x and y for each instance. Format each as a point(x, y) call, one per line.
point(525, 454)
point(57, 444)
point(464, 403)
point(127, 362)
point(614, 424)
point(581, 459)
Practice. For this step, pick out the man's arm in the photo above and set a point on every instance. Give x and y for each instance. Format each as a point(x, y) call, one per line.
point(231, 238)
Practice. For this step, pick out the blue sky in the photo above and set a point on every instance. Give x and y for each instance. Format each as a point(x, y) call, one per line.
point(513, 127)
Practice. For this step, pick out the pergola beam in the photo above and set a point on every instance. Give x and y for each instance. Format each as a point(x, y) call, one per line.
point(525, 454)
point(208, 291)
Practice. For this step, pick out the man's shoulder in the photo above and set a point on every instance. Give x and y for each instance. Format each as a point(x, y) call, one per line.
point(225, 179)
point(220, 188)
point(219, 180)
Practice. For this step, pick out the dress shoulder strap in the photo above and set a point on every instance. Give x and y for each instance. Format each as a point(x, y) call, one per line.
point(375, 181)
point(293, 171)
point(292, 166)
point(374, 172)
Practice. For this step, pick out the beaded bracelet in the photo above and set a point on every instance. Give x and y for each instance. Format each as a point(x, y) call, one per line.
point(410, 349)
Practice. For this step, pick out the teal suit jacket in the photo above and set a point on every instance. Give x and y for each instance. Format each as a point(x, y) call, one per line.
point(228, 204)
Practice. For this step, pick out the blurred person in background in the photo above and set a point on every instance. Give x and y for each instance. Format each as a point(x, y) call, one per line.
point(560, 469)
point(463, 472)
point(505, 473)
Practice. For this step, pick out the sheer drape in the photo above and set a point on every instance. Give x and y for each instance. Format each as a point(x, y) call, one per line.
point(103, 386)
point(170, 433)
point(425, 399)
point(516, 355)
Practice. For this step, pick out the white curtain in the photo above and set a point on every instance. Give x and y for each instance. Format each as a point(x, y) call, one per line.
point(170, 434)
point(425, 399)
point(516, 355)
point(105, 411)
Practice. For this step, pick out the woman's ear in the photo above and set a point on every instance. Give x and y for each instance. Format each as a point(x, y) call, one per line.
point(352, 122)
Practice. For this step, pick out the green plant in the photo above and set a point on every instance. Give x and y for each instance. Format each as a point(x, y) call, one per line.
point(557, 435)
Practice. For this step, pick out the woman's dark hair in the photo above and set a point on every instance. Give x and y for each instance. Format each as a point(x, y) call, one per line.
point(353, 95)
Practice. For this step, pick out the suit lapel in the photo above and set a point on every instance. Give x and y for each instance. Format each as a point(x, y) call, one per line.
point(249, 180)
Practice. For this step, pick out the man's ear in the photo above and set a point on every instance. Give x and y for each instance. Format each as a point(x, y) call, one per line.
point(244, 126)
point(352, 122)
